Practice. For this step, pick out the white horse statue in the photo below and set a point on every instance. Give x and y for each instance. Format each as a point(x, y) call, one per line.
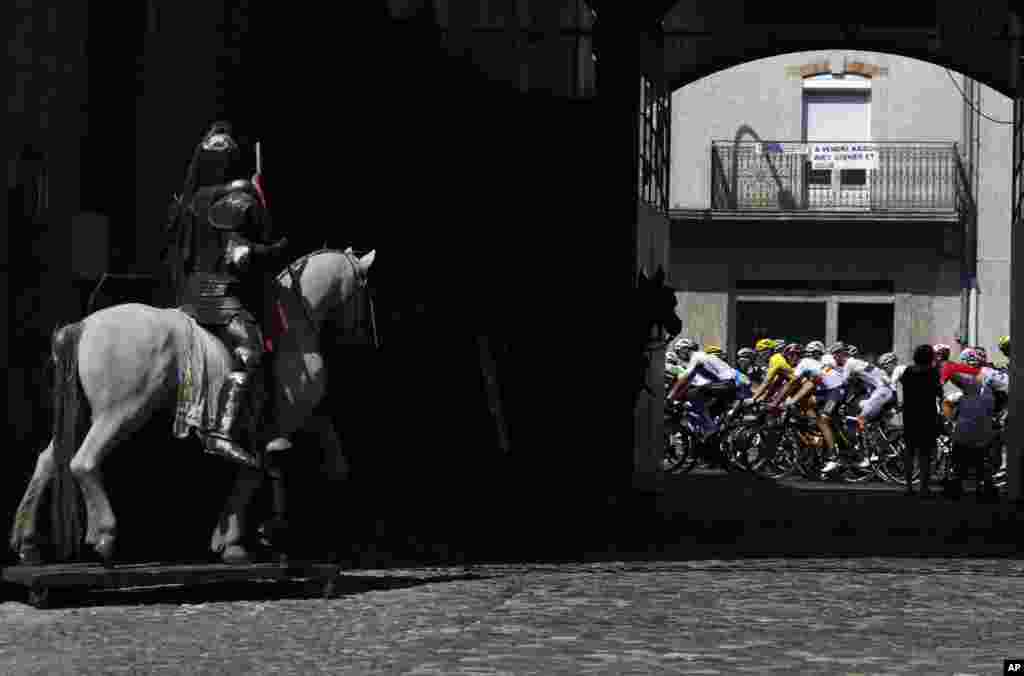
point(132, 360)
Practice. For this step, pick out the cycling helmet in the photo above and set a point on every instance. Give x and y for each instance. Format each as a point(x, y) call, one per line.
point(970, 357)
point(982, 354)
point(685, 345)
point(838, 347)
point(888, 360)
point(746, 353)
point(852, 350)
point(671, 358)
point(764, 345)
point(792, 352)
point(1004, 345)
point(942, 351)
point(815, 348)
point(713, 349)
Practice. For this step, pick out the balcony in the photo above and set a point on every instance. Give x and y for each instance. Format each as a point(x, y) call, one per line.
point(792, 180)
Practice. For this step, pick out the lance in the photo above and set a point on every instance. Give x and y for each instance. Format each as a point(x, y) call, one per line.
point(258, 178)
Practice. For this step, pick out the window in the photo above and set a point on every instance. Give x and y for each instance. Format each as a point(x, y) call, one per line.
point(837, 115)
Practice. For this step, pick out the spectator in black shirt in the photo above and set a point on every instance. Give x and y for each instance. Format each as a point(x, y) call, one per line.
point(921, 394)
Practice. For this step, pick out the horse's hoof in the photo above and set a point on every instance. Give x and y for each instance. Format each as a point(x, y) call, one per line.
point(29, 555)
point(235, 554)
point(105, 548)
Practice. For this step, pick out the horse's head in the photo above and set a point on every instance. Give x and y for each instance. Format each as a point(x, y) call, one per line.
point(657, 304)
point(331, 286)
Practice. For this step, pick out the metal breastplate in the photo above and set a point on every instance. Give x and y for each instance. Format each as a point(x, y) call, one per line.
point(212, 289)
point(210, 243)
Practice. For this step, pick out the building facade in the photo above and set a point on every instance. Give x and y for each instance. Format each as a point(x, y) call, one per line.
point(841, 195)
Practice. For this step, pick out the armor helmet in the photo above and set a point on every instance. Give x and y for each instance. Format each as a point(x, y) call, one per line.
point(215, 160)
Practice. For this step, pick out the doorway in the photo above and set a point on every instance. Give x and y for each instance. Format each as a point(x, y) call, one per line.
point(869, 326)
point(837, 109)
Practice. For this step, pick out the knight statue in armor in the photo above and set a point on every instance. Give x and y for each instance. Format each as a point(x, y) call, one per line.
point(220, 237)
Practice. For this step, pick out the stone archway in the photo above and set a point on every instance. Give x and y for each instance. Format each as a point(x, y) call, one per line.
point(984, 43)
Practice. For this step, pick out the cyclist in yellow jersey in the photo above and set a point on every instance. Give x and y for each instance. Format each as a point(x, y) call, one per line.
point(780, 370)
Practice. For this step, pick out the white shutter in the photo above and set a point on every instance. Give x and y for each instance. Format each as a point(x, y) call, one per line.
point(837, 116)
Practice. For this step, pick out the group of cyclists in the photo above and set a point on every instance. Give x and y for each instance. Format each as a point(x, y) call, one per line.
point(816, 381)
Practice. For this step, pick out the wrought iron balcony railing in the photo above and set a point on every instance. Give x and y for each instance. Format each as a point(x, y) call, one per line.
point(852, 176)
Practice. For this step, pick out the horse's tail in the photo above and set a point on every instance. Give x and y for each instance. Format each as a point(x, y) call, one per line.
point(66, 512)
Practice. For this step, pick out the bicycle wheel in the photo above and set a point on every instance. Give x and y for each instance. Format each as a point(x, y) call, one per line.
point(770, 456)
point(891, 463)
point(856, 472)
point(679, 456)
point(878, 447)
point(807, 451)
point(741, 446)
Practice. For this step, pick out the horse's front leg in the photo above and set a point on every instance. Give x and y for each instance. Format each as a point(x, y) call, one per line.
point(24, 536)
point(273, 531)
point(232, 529)
point(334, 466)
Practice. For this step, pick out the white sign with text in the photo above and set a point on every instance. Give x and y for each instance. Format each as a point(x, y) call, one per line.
point(844, 156)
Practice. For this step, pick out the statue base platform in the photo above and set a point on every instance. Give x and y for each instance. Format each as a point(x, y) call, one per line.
point(51, 584)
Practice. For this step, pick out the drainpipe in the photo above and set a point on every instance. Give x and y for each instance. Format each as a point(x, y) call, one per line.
point(972, 337)
point(969, 249)
point(965, 299)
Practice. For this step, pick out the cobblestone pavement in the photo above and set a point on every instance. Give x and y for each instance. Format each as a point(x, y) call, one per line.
point(835, 616)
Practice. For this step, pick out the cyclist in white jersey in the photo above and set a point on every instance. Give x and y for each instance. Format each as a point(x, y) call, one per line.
point(874, 380)
point(890, 363)
point(709, 380)
point(827, 384)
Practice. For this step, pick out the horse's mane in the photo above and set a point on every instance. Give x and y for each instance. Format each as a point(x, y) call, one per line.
point(300, 262)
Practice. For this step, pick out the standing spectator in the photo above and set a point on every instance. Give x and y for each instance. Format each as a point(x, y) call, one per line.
point(1004, 347)
point(921, 394)
point(973, 436)
point(961, 375)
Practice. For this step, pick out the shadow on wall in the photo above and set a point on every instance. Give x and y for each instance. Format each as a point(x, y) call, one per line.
point(785, 196)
